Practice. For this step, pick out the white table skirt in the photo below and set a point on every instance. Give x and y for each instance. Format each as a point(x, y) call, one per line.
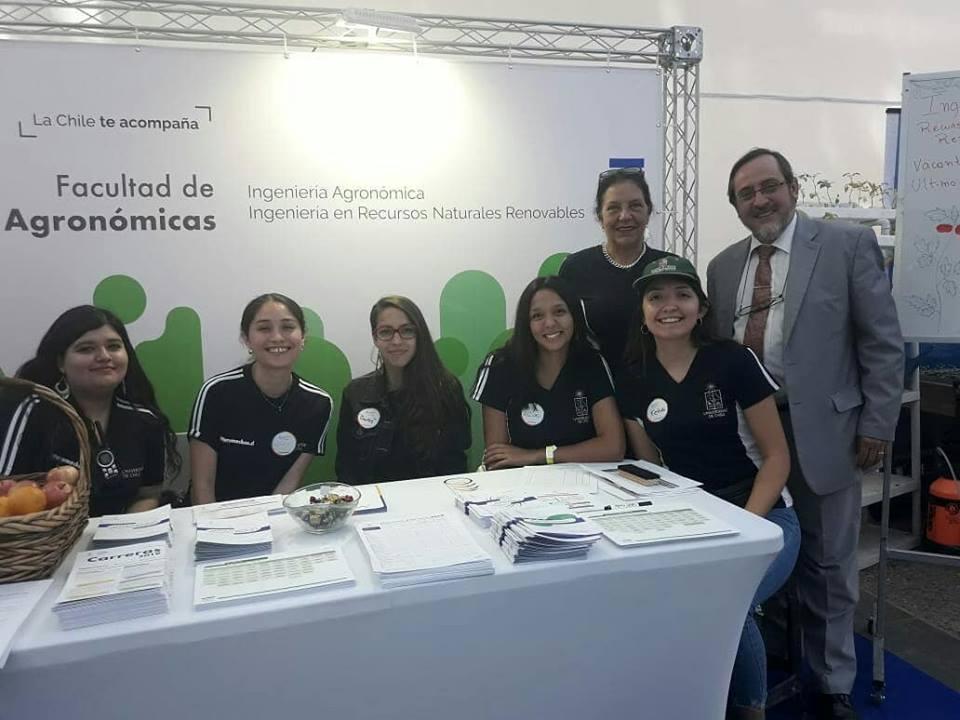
point(649, 632)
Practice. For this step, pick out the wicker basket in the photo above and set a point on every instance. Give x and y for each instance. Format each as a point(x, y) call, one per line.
point(31, 546)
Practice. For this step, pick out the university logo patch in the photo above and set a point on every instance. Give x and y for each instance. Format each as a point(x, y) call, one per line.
point(713, 402)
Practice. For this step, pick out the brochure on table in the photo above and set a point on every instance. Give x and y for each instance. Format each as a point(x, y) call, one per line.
point(114, 530)
point(266, 575)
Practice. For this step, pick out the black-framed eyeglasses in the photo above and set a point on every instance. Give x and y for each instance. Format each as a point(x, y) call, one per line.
point(747, 310)
point(386, 333)
point(621, 172)
point(766, 189)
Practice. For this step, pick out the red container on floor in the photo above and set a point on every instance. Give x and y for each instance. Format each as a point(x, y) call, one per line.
point(943, 514)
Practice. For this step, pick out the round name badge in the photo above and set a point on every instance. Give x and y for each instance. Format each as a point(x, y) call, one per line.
point(105, 459)
point(283, 443)
point(657, 410)
point(368, 418)
point(532, 414)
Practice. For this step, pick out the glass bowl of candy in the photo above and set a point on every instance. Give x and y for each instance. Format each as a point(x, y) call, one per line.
point(322, 507)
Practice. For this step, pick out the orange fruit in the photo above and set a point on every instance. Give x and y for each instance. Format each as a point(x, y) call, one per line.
point(26, 499)
point(4, 510)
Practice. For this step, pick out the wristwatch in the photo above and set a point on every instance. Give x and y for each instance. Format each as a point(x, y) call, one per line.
point(549, 452)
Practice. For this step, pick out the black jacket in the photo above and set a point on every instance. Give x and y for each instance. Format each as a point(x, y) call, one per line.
point(373, 446)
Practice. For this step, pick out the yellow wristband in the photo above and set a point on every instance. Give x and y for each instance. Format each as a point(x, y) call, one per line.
point(549, 453)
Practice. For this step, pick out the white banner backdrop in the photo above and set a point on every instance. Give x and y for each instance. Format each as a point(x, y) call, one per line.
point(208, 177)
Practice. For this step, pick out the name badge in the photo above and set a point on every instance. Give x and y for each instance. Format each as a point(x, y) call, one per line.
point(532, 414)
point(368, 418)
point(657, 410)
point(283, 443)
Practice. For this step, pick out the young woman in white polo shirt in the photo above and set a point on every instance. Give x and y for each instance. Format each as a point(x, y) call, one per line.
point(547, 394)
point(255, 429)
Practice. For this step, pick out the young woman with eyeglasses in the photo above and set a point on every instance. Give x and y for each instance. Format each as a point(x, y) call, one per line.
point(705, 408)
point(87, 357)
point(408, 418)
point(547, 394)
point(255, 429)
point(603, 275)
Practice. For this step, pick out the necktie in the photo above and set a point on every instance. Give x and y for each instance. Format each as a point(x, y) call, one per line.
point(762, 282)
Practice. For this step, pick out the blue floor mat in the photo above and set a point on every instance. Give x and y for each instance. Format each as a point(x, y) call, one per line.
point(911, 694)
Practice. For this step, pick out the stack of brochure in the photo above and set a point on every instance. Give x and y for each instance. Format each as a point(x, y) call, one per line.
point(232, 537)
point(117, 530)
point(422, 549)
point(482, 512)
point(113, 584)
point(270, 504)
point(543, 531)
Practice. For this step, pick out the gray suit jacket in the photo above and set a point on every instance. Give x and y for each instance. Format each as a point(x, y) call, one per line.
point(843, 351)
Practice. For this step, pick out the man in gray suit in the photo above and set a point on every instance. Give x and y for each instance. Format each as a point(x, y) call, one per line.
point(811, 298)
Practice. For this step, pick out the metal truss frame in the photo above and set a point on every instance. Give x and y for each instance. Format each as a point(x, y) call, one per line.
point(675, 51)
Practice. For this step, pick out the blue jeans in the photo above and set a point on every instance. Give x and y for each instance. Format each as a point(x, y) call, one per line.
point(748, 686)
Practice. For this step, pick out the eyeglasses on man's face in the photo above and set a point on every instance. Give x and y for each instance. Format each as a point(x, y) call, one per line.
point(621, 172)
point(385, 333)
point(766, 188)
point(747, 310)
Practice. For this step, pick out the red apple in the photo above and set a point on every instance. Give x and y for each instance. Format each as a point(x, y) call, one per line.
point(65, 473)
point(56, 492)
point(6, 486)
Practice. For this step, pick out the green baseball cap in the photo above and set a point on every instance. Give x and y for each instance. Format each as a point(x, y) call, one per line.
point(670, 266)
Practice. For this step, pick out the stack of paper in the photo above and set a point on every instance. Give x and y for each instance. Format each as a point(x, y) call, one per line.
point(220, 539)
point(115, 584)
point(625, 486)
point(422, 549)
point(116, 530)
point(543, 531)
point(251, 578)
point(270, 504)
point(17, 601)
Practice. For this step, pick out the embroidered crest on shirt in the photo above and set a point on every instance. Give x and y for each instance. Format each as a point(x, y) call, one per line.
point(581, 411)
point(713, 406)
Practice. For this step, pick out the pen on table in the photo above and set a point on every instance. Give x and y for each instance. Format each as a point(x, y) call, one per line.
point(641, 503)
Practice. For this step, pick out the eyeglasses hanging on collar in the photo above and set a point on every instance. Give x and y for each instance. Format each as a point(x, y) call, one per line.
point(746, 310)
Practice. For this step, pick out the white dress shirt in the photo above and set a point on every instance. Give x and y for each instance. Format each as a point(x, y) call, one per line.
point(773, 331)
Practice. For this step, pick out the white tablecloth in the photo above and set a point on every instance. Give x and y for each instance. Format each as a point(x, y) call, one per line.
point(649, 632)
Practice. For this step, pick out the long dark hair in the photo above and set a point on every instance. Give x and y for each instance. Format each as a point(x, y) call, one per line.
point(433, 398)
point(44, 367)
point(522, 350)
point(641, 345)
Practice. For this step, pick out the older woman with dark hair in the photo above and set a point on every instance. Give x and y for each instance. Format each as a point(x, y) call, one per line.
point(408, 418)
point(87, 357)
point(603, 275)
point(547, 394)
